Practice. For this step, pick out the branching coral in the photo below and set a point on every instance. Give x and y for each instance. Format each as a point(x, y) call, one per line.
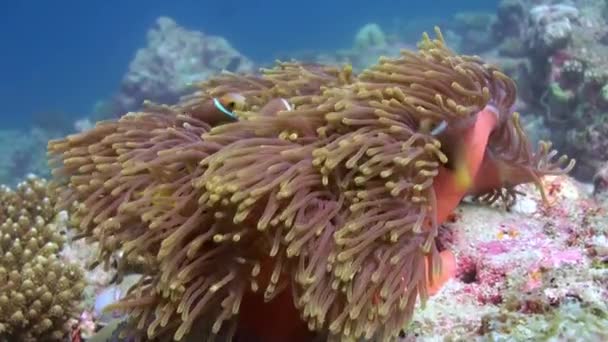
point(329, 197)
point(38, 291)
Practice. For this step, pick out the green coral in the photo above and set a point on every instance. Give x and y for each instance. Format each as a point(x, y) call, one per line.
point(559, 94)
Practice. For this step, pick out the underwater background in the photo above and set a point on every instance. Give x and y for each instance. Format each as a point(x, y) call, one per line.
point(63, 63)
point(533, 272)
point(65, 57)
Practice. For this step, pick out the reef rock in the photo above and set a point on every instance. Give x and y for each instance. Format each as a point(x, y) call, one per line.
point(536, 272)
point(174, 58)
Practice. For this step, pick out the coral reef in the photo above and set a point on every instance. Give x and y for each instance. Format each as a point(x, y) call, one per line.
point(173, 59)
point(551, 27)
point(508, 19)
point(306, 187)
point(39, 292)
point(559, 50)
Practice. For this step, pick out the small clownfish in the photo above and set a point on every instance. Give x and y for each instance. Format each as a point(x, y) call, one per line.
point(295, 123)
point(228, 103)
point(219, 110)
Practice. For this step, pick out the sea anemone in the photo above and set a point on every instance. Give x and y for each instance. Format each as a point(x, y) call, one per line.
point(305, 182)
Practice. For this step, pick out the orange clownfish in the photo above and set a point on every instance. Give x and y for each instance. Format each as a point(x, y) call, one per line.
point(228, 103)
point(220, 110)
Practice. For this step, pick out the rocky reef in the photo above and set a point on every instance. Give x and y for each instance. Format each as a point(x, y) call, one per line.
point(536, 272)
point(556, 51)
point(172, 60)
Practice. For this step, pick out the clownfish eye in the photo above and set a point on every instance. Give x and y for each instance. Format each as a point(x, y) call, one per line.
point(230, 105)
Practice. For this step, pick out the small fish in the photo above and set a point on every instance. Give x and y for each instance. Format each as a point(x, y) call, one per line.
point(228, 103)
point(107, 296)
point(440, 128)
point(219, 110)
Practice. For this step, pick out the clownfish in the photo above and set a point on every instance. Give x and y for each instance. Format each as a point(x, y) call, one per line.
point(219, 110)
point(466, 150)
point(228, 103)
point(222, 109)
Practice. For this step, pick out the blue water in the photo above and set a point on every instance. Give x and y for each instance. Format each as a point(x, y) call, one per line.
point(60, 57)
